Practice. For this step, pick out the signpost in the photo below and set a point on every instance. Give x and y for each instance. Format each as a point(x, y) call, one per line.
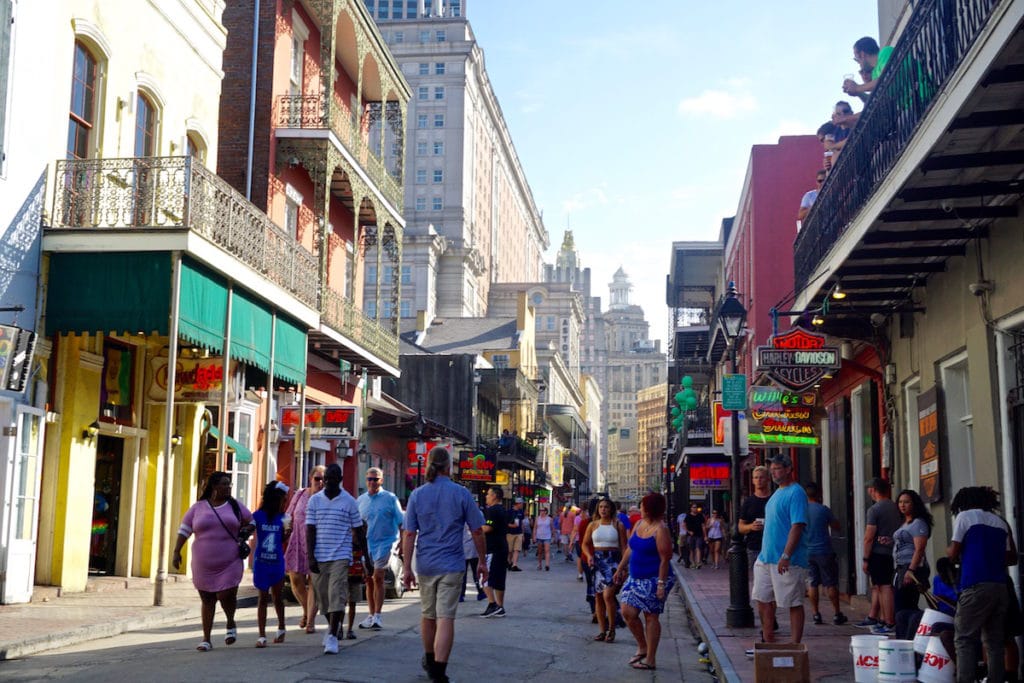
point(734, 391)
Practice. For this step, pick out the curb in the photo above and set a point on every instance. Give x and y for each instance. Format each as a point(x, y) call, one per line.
point(723, 665)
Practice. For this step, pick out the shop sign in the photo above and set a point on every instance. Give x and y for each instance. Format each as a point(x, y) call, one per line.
point(782, 417)
point(322, 422)
point(16, 349)
point(798, 359)
point(196, 380)
point(928, 444)
point(477, 466)
point(416, 455)
point(709, 475)
point(718, 419)
point(543, 496)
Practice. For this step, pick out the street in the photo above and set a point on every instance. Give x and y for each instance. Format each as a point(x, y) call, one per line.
point(546, 637)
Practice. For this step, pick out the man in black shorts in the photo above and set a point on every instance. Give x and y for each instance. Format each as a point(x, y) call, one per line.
point(883, 520)
point(495, 528)
point(695, 535)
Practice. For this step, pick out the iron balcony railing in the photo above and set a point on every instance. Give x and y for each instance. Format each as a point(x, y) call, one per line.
point(343, 315)
point(938, 36)
point(152, 193)
point(307, 112)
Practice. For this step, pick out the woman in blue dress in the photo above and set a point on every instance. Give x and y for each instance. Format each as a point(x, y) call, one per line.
point(272, 527)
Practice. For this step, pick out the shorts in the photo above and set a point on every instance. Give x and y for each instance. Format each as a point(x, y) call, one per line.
point(881, 569)
point(515, 542)
point(497, 569)
point(541, 541)
point(696, 542)
point(823, 570)
point(331, 585)
point(563, 539)
point(381, 562)
point(355, 589)
point(439, 595)
point(787, 590)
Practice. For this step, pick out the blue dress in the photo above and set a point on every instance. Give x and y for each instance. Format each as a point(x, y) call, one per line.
point(268, 565)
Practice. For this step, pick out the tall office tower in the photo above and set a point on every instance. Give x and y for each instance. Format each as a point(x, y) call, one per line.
point(471, 215)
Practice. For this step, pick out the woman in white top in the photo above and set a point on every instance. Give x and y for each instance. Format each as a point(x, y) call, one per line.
point(543, 530)
point(714, 529)
point(603, 544)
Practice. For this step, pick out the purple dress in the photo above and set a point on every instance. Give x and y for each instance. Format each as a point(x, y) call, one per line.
point(295, 559)
point(215, 562)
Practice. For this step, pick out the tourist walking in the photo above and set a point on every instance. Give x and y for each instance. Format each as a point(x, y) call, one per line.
point(696, 535)
point(648, 558)
point(543, 532)
point(472, 562)
point(714, 529)
point(295, 562)
point(883, 519)
point(603, 545)
point(822, 562)
point(434, 519)
point(565, 532)
point(218, 522)
point(495, 526)
point(383, 516)
point(910, 543)
point(514, 535)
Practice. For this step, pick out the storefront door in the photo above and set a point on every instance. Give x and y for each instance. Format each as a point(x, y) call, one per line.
point(106, 504)
point(20, 477)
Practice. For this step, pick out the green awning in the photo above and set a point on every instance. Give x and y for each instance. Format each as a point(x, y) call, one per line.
point(242, 454)
point(203, 306)
point(290, 351)
point(109, 292)
point(250, 330)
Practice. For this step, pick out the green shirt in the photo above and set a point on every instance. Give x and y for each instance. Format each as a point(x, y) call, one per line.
point(883, 59)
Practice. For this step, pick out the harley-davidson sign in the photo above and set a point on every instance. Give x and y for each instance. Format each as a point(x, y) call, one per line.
point(797, 359)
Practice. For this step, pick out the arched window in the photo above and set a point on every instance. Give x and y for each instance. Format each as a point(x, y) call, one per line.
point(145, 127)
point(195, 148)
point(83, 104)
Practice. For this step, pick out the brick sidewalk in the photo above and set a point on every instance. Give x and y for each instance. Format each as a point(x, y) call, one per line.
point(706, 592)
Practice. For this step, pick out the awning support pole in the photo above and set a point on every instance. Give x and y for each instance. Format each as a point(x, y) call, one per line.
point(165, 494)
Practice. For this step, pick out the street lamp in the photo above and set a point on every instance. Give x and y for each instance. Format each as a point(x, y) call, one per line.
point(732, 318)
point(420, 427)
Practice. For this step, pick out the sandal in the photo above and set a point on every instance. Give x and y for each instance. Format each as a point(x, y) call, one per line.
point(641, 665)
point(204, 646)
point(610, 638)
point(601, 636)
point(311, 627)
point(261, 642)
point(281, 633)
point(302, 622)
point(636, 658)
point(230, 636)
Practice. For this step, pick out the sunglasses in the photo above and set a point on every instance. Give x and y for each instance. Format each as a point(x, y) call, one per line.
point(318, 478)
point(373, 479)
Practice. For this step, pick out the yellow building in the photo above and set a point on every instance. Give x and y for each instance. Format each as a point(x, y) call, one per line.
point(651, 435)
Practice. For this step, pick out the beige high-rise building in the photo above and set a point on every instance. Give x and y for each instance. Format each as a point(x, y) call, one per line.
point(651, 435)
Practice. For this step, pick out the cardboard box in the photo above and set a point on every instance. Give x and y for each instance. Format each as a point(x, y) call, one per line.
point(781, 663)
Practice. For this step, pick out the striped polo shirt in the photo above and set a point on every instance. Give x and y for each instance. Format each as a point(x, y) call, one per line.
point(334, 519)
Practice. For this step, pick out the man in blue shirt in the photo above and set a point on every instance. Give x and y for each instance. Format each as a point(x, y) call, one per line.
point(436, 515)
point(823, 565)
point(781, 567)
point(383, 517)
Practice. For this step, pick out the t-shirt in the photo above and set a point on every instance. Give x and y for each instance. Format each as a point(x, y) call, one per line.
point(545, 527)
point(985, 540)
point(753, 508)
point(808, 199)
point(438, 511)
point(383, 516)
point(886, 518)
point(883, 59)
point(624, 518)
point(334, 519)
point(496, 517)
point(516, 516)
point(903, 549)
point(681, 524)
point(786, 507)
point(818, 533)
point(694, 524)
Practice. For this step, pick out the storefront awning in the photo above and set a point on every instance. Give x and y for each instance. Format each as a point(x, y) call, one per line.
point(242, 454)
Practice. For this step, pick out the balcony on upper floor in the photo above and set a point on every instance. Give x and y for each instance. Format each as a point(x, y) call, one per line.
point(936, 156)
point(376, 344)
point(165, 203)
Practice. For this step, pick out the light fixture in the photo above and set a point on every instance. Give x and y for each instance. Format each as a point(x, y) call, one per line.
point(90, 432)
point(732, 315)
point(176, 439)
point(817, 320)
point(275, 432)
point(837, 292)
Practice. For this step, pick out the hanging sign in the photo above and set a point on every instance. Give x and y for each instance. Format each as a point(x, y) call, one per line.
point(477, 466)
point(783, 417)
point(928, 444)
point(196, 380)
point(734, 391)
point(710, 475)
point(798, 359)
point(322, 422)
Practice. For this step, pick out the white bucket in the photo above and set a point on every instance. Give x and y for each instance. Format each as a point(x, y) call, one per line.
point(865, 657)
point(937, 666)
point(924, 629)
point(896, 662)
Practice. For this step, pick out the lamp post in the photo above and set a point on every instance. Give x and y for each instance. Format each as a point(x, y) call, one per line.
point(732, 317)
point(420, 426)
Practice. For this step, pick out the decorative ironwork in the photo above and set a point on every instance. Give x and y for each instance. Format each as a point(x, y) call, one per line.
point(343, 315)
point(935, 42)
point(174, 192)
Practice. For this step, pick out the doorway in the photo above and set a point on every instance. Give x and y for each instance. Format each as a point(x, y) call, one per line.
point(106, 504)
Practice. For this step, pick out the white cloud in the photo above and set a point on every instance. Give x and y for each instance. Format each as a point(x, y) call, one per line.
point(719, 104)
point(788, 127)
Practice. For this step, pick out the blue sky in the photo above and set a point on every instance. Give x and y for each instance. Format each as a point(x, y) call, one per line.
point(635, 127)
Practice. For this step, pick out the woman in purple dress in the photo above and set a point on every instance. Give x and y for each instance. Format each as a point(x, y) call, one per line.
point(295, 553)
point(216, 519)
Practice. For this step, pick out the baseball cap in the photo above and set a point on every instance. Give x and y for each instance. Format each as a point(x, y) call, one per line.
point(781, 459)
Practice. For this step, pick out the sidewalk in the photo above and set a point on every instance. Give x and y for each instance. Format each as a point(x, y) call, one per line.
point(109, 606)
point(706, 594)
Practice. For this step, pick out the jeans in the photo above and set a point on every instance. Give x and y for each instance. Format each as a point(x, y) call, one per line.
point(981, 610)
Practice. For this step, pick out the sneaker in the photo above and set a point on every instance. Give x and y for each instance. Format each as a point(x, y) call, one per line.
point(367, 622)
point(868, 622)
point(579, 577)
point(817, 618)
point(377, 623)
point(330, 645)
point(749, 652)
point(500, 612)
point(839, 619)
point(492, 607)
point(480, 595)
point(547, 568)
point(882, 630)
point(515, 568)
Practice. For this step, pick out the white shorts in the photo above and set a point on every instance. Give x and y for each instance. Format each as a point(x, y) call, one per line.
point(564, 539)
point(787, 590)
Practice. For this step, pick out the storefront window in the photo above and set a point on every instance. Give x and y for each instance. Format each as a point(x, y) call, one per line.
point(117, 391)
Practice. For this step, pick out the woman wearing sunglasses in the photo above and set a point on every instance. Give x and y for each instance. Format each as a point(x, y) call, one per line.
point(295, 554)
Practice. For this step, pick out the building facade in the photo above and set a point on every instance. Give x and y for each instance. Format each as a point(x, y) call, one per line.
point(651, 436)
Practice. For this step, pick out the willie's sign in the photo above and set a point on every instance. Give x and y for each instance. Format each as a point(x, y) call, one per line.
point(797, 359)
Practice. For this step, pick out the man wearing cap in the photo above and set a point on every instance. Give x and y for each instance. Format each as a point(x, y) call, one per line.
point(781, 567)
point(380, 510)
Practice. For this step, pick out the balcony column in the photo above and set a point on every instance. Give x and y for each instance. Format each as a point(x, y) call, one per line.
point(392, 244)
point(329, 13)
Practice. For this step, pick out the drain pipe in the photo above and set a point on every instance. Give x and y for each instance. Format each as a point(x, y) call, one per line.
point(252, 100)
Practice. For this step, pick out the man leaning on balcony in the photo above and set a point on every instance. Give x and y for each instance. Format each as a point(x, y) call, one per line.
point(868, 55)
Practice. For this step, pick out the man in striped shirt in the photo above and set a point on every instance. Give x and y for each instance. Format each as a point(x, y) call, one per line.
point(333, 528)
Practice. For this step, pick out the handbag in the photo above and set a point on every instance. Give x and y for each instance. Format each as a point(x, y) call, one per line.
point(243, 547)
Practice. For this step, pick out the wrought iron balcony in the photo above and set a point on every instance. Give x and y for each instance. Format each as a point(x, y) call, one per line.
point(306, 112)
point(153, 193)
point(939, 35)
point(343, 315)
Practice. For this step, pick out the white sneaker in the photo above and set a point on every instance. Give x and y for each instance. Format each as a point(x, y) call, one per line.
point(377, 625)
point(330, 645)
point(367, 622)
